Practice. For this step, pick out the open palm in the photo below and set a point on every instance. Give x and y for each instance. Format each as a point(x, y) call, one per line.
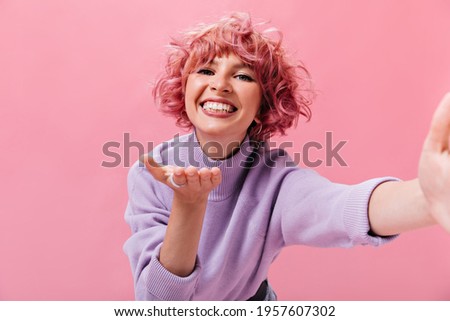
point(434, 166)
point(191, 183)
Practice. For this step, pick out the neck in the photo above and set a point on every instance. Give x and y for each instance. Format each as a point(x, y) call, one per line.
point(216, 147)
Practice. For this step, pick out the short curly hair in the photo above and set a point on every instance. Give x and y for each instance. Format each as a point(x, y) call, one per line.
point(287, 89)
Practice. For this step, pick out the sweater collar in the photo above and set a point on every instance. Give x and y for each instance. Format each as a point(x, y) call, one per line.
point(234, 168)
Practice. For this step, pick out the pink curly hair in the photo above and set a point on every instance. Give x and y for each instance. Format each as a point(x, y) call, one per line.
point(284, 84)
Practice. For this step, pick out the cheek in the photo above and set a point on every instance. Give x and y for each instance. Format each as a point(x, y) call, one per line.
point(188, 88)
point(193, 90)
point(256, 99)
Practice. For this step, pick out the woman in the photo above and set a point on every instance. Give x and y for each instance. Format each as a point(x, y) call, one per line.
point(211, 210)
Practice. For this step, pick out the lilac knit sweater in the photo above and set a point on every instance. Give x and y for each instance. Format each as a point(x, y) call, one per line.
point(264, 203)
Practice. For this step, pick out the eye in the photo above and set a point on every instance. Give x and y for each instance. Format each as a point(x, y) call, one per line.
point(244, 77)
point(204, 71)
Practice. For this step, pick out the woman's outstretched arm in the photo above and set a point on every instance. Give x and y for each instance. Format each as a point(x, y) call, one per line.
point(397, 207)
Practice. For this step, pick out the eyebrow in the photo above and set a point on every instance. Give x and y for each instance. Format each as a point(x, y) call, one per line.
point(235, 66)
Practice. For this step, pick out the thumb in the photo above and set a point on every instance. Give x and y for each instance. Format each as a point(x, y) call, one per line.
point(438, 136)
point(147, 159)
point(153, 167)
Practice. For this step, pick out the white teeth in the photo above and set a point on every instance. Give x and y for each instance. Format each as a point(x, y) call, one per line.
point(217, 107)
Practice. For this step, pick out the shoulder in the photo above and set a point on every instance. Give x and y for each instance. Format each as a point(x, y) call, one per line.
point(138, 175)
point(173, 149)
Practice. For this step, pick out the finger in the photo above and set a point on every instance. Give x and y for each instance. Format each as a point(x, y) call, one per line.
point(205, 177)
point(192, 176)
point(438, 137)
point(156, 169)
point(147, 159)
point(179, 177)
point(216, 176)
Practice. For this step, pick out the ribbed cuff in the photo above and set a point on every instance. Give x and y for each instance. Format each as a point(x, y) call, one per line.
point(167, 286)
point(356, 213)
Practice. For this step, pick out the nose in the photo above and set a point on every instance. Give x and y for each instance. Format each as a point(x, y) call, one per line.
point(220, 83)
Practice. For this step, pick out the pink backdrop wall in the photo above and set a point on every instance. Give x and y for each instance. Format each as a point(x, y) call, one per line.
point(76, 74)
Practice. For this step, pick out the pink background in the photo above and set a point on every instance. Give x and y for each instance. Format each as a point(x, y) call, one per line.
point(76, 74)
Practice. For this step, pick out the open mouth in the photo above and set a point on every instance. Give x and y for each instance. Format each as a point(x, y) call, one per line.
point(215, 107)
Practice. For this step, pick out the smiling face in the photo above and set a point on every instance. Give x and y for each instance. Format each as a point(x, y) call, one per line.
point(222, 99)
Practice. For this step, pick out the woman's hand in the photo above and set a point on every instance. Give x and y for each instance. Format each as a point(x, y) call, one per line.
point(194, 185)
point(434, 166)
point(180, 245)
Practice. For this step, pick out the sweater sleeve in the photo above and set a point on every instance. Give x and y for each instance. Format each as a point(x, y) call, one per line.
point(147, 217)
point(311, 210)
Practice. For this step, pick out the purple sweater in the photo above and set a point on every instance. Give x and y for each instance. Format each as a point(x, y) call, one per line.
point(263, 204)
